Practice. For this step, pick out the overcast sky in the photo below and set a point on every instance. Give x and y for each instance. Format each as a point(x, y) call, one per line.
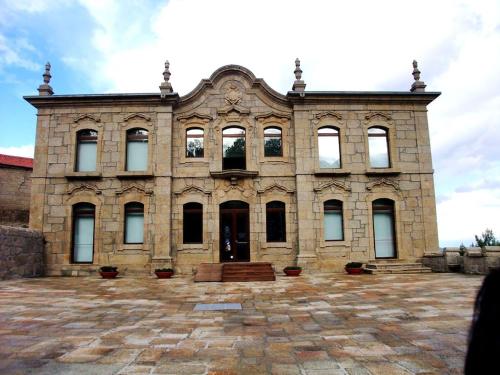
point(99, 46)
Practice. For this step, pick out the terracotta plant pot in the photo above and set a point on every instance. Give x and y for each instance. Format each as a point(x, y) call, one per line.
point(354, 271)
point(109, 274)
point(164, 274)
point(292, 272)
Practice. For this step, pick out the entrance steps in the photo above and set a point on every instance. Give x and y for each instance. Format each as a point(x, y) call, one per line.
point(395, 266)
point(245, 271)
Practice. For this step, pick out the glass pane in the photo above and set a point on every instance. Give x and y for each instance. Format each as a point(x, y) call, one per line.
point(272, 131)
point(275, 224)
point(376, 131)
point(134, 227)
point(329, 151)
point(86, 158)
point(137, 156)
point(194, 147)
point(379, 157)
point(195, 132)
point(83, 240)
point(272, 146)
point(233, 131)
point(193, 227)
point(333, 226)
point(384, 236)
point(234, 147)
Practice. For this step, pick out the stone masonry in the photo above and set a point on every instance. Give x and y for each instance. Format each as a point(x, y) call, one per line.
point(21, 253)
point(232, 96)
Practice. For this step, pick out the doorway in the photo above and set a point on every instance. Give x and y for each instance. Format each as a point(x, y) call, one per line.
point(234, 232)
point(383, 228)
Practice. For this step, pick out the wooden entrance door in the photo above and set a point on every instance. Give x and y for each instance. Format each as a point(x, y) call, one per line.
point(234, 232)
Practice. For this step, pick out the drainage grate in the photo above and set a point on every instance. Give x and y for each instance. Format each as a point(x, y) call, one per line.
point(217, 306)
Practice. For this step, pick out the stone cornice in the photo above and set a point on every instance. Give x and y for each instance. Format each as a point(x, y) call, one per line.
point(402, 97)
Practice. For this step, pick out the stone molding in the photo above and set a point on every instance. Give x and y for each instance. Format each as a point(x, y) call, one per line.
point(334, 114)
point(84, 187)
point(193, 188)
point(276, 187)
point(372, 116)
point(335, 184)
point(87, 117)
point(136, 115)
point(381, 182)
point(134, 187)
point(195, 115)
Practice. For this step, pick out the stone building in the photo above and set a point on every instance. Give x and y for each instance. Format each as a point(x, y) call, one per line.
point(15, 190)
point(232, 171)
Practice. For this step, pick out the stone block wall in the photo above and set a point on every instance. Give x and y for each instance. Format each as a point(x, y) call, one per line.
point(15, 188)
point(474, 260)
point(21, 253)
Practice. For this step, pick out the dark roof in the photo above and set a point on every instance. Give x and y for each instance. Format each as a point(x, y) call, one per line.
point(16, 161)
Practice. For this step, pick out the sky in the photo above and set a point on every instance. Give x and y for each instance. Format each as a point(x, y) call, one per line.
point(104, 46)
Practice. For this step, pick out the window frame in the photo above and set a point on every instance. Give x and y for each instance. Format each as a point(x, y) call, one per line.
point(86, 139)
point(338, 208)
point(234, 126)
point(197, 208)
point(386, 205)
point(282, 211)
point(128, 208)
point(74, 214)
point(137, 138)
point(280, 136)
point(187, 137)
point(336, 135)
point(386, 135)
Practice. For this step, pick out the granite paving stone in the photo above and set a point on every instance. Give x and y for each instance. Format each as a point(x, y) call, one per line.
point(312, 324)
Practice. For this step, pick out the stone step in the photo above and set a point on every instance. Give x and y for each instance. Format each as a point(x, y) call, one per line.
point(398, 270)
point(248, 272)
point(209, 272)
point(392, 265)
point(395, 266)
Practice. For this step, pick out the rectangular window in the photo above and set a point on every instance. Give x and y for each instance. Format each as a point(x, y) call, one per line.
point(86, 158)
point(134, 223)
point(275, 222)
point(378, 152)
point(333, 226)
point(83, 233)
point(328, 147)
point(137, 156)
point(192, 223)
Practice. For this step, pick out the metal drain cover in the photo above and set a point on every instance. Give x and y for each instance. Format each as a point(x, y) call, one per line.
point(217, 306)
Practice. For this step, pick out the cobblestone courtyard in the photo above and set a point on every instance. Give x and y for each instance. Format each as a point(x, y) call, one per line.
point(322, 324)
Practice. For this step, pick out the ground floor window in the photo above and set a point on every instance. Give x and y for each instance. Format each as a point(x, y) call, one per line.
point(134, 223)
point(275, 222)
point(83, 233)
point(192, 223)
point(333, 220)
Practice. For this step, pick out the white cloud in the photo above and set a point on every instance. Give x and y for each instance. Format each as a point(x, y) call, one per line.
point(12, 53)
point(27, 151)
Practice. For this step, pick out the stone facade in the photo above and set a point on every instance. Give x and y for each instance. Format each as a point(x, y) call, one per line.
point(232, 96)
point(15, 190)
point(21, 253)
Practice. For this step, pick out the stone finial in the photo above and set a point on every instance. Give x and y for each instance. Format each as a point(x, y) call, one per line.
point(44, 88)
point(418, 85)
point(299, 84)
point(166, 86)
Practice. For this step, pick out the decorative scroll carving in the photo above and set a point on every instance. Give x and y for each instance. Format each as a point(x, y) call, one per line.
point(194, 115)
point(275, 187)
point(381, 115)
point(136, 115)
point(320, 115)
point(134, 187)
point(273, 114)
point(84, 187)
point(233, 94)
point(88, 117)
point(192, 188)
point(381, 182)
point(335, 184)
point(233, 108)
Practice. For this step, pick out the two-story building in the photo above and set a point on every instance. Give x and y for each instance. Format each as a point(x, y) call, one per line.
point(232, 171)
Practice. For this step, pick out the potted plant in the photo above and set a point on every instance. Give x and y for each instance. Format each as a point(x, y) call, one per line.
point(292, 270)
point(164, 273)
point(108, 272)
point(354, 268)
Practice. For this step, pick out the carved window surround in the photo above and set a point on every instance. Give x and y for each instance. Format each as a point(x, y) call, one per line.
point(278, 120)
point(194, 120)
point(385, 121)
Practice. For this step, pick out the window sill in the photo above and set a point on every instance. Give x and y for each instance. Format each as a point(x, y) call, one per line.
point(382, 172)
point(332, 172)
point(82, 175)
point(132, 246)
point(283, 245)
point(328, 245)
point(134, 174)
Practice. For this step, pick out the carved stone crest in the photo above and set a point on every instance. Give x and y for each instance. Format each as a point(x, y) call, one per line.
point(233, 94)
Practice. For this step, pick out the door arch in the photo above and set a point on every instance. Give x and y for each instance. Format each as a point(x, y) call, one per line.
point(234, 232)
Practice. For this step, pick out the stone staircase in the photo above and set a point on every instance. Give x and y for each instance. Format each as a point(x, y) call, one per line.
point(395, 266)
point(245, 271)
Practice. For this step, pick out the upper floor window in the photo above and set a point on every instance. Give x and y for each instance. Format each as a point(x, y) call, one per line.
point(275, 222)
point(83, 233)
point(233, 148)
point(272, 142)
point(134, 223)
point(192, 223)
point(137, 150)
point(328, 147)
point(333, 220)
point(378, 145)
point(194, 143)
point(86, 150)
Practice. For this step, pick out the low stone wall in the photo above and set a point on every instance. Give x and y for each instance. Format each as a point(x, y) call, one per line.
point(21, 253)
point(473, 260)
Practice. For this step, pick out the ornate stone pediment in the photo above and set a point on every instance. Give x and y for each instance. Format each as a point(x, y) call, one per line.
point(84, 187)
point(134, 189)
point(194, 189)
point(320, 115)
point(278, 116)
point(332, 184)
point(140, 116)
point(194, 116)
point(275, 187)
point(378, 116)
point(86, 117)
point(383, 182)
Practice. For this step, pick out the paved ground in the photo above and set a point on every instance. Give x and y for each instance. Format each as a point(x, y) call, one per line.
point(326, 324)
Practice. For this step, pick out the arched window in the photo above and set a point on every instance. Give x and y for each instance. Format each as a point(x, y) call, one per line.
point(329, 147)
point(275, 222)
point(86, 150)
point(83, 233)
point(333, 220)
point(233, 148)
point(134, 223)
point(194, 143)
point(137, 150)
point(273, 142)
point(192, 223)
point(383, 228)
point(378, 145)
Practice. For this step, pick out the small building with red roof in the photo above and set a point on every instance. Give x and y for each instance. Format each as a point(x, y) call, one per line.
point(15, 189)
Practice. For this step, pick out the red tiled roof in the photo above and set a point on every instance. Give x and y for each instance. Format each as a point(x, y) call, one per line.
point(16, 161)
